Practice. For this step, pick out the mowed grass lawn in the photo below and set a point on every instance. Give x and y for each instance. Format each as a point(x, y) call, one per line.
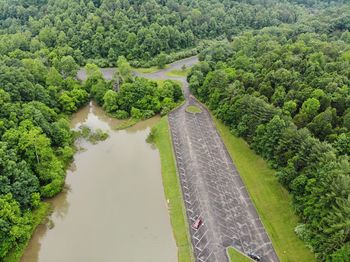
point(271, 200)
point(148, 70)
point(172, 190)
point(178, 73)
point(193, 109)
point(145, 70)
point(236, 256)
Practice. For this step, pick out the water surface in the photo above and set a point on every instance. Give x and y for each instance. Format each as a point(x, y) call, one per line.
point(113, 206)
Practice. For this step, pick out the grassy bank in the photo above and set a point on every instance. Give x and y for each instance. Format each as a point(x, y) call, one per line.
point(38, 216)
point(171, 183)
point(126, 124)
point(270, 199)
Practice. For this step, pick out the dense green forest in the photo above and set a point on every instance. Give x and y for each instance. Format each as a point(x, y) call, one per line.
point(283, 84)
point(286, 91)
point(101, 31)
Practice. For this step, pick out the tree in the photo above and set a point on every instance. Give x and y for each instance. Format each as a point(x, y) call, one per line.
point(79, 95)
point(161, 60)
point(67, 66)
point(36, 68)
point(266, 139)
point(342, 144)
point(290, 107)
point(16, 177)
point(346, 121)
point(310, 107)
point(4, 97)
point(110, 101)
point(24, 184)
point(61, 133)
point(53, 78)
point(67, 103)
point(98, 91)
point(278, 97)
point(321, 125)
point(93, 72)
point(136, 113)
point(15, 227)
point(48, 35)
point(94, 76)
point(124, 70)
point(307, 112)
point(342, 254)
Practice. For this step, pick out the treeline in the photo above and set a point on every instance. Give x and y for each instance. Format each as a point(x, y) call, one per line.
point(100, 31)
point(287, 93)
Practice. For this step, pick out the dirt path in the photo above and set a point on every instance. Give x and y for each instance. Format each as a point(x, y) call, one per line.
point(211, 185)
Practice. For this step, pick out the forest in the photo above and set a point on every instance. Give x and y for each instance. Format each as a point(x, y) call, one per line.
point(101, 31)
point(279, 77)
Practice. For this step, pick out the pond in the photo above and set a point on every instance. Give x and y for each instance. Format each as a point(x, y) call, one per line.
point(113, 206)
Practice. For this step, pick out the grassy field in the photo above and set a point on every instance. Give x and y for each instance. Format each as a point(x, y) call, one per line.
point(270, 198)
point(171, 183)
point(236, 256)
point(39, 215)
point(181, 73)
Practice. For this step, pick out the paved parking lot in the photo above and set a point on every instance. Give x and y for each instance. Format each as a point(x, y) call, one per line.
point(212, 189)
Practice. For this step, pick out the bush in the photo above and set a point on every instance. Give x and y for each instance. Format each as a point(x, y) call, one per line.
point(147, 114)
point(136, 113)
point(121, 114)
point(98, 135)
point(341, 255)
point(151, 136)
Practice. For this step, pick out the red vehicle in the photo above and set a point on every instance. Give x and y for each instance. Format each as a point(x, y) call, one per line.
point(197, 223)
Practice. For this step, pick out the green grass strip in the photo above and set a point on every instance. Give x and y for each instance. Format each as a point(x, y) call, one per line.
point(161, 138)
point(236, 256)
point(147, 70)
point(193, 109)
point(178, 73)
point(271, 200)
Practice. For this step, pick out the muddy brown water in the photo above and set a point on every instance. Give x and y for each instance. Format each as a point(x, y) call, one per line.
point(113, 206)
